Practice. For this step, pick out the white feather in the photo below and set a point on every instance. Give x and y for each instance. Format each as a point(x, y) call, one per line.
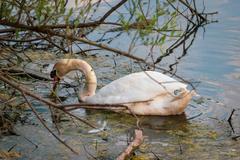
point(141, 86)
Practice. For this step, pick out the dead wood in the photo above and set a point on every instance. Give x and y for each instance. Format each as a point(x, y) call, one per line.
point(138, 140)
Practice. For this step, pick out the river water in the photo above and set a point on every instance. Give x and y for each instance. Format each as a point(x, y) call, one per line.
point(203, 132)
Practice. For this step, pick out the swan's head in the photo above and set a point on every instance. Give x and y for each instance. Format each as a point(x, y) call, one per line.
point(60, 69)
point(63, 66)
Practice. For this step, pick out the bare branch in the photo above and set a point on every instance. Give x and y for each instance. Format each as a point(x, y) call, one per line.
point(112, 10)
point(138, 140)
point(43, 123)
point(29, 93)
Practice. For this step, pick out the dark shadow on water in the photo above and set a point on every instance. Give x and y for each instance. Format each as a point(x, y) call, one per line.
point(162, 123)
point(151, 125)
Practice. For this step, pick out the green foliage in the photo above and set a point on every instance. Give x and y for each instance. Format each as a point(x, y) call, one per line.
point(62, 7)
point(160, 26)
point(39, 9)
point(124, 23)
point(5, 9)
point(69, 14)
point(154, 22)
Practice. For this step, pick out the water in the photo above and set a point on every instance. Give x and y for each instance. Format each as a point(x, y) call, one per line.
point(216, 55)
point(203, 132)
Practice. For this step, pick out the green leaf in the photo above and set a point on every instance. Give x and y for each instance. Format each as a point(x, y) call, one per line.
point(172, 33)
point(62, 6)
point(76, 22)
point(163, 39)
point(69, 15)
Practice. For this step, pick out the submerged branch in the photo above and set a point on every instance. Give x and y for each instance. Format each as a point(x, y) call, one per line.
point(138, 140)
point(45, 126)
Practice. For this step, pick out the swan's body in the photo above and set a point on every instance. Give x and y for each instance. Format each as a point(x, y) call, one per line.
point(144, 93)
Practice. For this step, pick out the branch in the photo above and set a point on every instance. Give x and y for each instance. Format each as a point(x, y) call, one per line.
point(99, 45)
point(236, 137)
point(112, 10)
point(193, 10)
point(230, 120)
point(24, 90)
point(43, 123)
point(21, 40)
point(6, 79)
point(138, 140)
point(12, 30)
point(53, 33)
point(180, 12)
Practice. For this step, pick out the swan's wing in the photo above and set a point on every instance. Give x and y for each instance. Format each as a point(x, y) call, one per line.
point(141, 86)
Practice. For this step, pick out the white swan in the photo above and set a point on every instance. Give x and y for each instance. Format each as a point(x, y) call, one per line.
point(145, 93)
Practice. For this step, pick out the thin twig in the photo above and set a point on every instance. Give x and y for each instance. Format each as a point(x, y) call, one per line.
point(54, 120)
point(29, 93)
point(36, 146)
point(193, 117)
point(112, 10)
point(180, 12)
point(12, 147)
point(236, 137)
point(230, 120)
point(193, 10)
point(43, 123)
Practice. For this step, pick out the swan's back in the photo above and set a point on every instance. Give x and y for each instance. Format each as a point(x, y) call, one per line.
point(140, 86)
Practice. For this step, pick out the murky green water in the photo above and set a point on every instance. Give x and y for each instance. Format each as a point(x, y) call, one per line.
point(213, 60)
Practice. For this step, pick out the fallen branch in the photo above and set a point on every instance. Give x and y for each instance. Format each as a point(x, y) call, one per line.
point(43, 123)
point(138, 140)
point(20, 88)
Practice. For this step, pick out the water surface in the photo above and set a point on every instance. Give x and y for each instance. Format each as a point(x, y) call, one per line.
point(213, 60)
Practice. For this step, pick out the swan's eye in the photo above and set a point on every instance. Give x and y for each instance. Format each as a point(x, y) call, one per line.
point(177, 92)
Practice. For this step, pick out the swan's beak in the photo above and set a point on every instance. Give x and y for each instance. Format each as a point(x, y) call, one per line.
point(56, 80)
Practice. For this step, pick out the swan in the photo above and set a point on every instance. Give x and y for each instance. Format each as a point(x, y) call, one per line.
point(144, 93)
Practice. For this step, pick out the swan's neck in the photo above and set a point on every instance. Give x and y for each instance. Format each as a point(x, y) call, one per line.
point(87, 70)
